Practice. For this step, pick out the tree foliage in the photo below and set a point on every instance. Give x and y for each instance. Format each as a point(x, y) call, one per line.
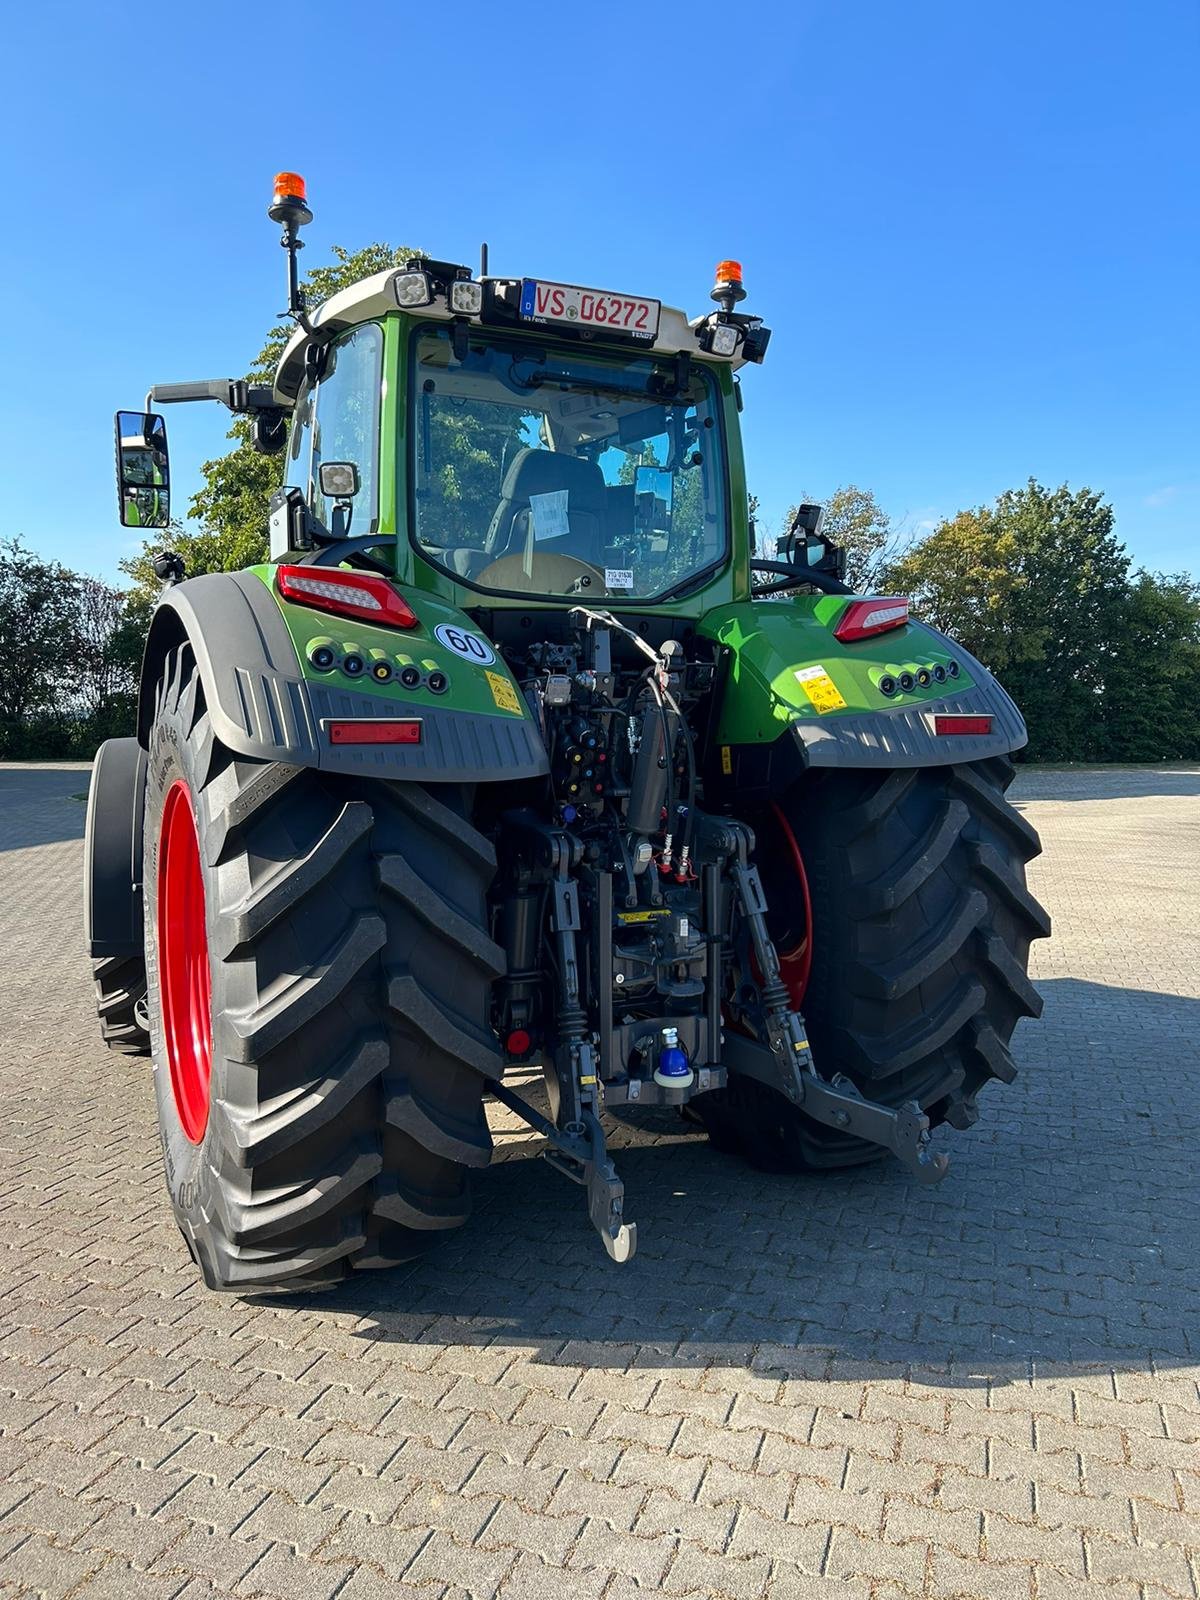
point(1037, 586)
point(67, 682)
point(1152, 704)
point(38, 603)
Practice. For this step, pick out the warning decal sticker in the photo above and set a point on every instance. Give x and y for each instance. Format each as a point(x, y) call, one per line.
point(503, 692)
point(820, 689)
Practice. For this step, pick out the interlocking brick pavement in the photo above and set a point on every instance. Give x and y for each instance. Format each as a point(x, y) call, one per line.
point(852, 1387)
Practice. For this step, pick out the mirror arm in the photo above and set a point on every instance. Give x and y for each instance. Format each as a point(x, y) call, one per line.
point(239, 396)
point(801, 574)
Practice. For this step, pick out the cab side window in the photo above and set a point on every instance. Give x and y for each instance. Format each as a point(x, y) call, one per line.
point(346, 423)
point(299, 473)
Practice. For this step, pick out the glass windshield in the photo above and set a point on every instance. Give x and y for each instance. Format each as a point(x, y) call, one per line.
point(551, 471)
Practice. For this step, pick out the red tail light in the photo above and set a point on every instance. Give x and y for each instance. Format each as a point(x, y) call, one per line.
point(862, 618)
point(962, 724)
point(346, 594)
point(385, 730)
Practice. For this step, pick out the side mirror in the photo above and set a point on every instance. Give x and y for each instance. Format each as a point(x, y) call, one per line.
point(143, 470)
point(653, 490)
point(806, 545)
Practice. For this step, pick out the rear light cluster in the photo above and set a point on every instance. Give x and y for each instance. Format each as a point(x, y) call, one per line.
point(346, 594)
point(863, 619)
point(920, 678)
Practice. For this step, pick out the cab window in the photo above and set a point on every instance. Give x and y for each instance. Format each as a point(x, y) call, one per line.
point(345, 426)
point(299, 473)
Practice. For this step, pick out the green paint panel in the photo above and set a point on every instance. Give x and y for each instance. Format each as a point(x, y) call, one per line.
point(486, 688)
point(770, 641)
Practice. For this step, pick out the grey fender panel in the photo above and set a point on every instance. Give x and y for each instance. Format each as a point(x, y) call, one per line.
point(262, 706)
point(905, 737)
point(112, 879)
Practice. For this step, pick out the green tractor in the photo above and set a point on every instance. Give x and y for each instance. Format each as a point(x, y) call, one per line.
point(515, 762)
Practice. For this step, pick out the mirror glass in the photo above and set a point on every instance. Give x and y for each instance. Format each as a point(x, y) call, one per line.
point(653, 490)
point(143, 470)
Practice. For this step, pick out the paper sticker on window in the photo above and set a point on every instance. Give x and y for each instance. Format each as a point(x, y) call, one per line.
point(548, 512)
point(618, 577)
point(503, 692)
point(820, 689)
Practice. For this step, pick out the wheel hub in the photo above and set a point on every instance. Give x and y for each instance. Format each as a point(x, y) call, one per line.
point(184, 980)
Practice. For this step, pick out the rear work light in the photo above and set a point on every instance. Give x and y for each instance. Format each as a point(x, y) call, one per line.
point(366, 730)
point(862, 618)
point(346, 594)
point(962, 724)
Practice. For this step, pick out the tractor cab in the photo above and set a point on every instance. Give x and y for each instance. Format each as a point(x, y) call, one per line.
point(504, 440)
point(516, 439)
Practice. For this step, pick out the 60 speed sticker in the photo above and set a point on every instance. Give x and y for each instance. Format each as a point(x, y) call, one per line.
point(466, 644)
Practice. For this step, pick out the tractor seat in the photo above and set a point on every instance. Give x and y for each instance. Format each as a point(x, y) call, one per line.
point(534, 472)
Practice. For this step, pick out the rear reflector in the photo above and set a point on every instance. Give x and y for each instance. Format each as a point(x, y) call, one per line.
point(962, 724)
point(366, 731)
point(346, 594)
point(862, 618)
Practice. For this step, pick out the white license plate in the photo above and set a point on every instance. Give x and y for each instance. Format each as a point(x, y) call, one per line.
point(626, 315)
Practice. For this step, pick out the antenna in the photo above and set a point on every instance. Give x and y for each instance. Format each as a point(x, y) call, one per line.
point(483, 260)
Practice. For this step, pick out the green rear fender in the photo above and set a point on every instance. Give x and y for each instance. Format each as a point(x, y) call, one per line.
point(791, 695)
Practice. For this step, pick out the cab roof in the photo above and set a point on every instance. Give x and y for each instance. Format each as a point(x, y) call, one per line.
point(373, 297)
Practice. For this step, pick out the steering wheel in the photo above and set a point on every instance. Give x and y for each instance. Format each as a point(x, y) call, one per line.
point(549, 573)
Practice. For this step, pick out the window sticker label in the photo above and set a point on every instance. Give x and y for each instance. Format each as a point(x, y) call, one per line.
point(618, 577)
point(548, 513)
point(503, 692)
point(820, 689)
point(465, 643)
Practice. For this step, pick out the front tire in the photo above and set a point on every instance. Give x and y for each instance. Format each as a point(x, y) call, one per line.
point(920, 923)
point(349, 969)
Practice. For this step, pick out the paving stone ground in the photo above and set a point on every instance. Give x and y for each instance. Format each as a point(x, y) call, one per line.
point(851, 1387)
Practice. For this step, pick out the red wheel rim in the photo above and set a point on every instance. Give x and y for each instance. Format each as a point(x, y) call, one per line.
point(183, 962)
point(795, 964)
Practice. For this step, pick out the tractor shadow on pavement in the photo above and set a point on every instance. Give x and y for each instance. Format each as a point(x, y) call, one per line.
point(1062, 1241)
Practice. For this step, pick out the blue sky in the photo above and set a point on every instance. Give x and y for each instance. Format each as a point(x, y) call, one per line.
point(972, 226)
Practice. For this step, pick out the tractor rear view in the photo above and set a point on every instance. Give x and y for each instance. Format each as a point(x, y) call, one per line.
point(513, 756)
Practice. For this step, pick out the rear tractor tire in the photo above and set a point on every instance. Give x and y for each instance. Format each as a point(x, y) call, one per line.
point(319, 975)
point(899, 906)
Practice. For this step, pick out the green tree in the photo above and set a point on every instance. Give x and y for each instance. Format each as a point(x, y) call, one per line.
point(1036, 586)
point(1152, 698)
point(231, 508)
point(39, 609)
point(104, 675)
point(965, 578)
